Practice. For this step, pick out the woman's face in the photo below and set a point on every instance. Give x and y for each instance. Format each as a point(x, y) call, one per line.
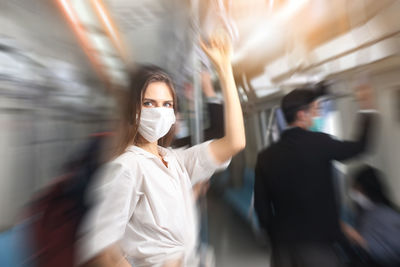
point(158, 94)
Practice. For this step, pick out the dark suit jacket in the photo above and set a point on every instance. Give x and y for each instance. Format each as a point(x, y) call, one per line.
point(294, 191)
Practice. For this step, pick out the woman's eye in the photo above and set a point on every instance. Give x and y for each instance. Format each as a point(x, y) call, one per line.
point(147, 104)
point(168, 105)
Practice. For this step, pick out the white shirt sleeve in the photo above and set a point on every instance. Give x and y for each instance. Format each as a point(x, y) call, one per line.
point(199, 162)
point(114, 197)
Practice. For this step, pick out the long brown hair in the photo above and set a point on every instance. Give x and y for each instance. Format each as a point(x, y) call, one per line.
point(140, 79)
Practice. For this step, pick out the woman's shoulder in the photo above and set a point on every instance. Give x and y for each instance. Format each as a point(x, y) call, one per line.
point(123, 167)
point(125, 161)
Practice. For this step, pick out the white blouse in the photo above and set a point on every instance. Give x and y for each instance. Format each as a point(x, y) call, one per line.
point(147, 208)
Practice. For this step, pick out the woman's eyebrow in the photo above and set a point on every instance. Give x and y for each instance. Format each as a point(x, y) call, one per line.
point(171, 100)
point(153, 100)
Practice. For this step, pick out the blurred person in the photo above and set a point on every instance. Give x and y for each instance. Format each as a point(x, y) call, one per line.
point(294, 188)
point(51, 222)
point(377, 222)
point(215, 111)
point(214, 104)
point(215, 130)
point(145, 210)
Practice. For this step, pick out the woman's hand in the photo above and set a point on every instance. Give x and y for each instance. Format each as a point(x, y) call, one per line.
point(218, 50)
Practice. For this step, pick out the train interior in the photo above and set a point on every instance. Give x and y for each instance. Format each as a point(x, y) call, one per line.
point(60, 59)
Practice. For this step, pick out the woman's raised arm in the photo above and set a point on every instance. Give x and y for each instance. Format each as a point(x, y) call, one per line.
point(219, 51)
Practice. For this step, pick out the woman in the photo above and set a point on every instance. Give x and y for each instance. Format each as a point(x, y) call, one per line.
point(377, 229)
point(145, 211)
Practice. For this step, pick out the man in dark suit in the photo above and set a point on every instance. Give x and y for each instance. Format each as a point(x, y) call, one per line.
point(294, 188)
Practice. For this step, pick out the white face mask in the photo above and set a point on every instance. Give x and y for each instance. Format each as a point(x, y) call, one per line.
point(155, 122)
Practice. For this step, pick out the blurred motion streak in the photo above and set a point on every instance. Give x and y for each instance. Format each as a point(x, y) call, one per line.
point(73, 20)
point(110, 28)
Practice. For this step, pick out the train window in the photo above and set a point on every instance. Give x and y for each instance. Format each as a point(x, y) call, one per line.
point(280, 120)
point(329, 117)
point(271, 129)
